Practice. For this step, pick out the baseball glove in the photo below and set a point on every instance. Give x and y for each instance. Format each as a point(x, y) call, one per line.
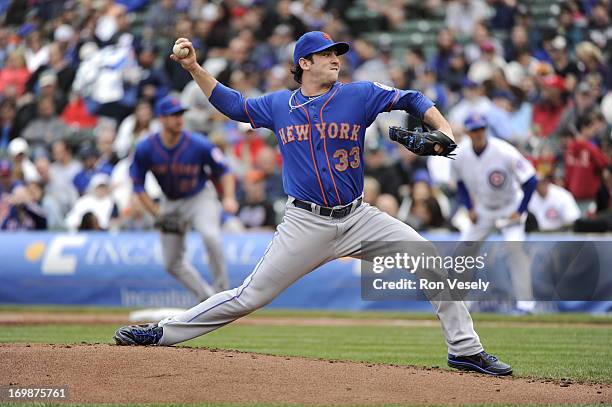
point(171, 223)
point(424, 142)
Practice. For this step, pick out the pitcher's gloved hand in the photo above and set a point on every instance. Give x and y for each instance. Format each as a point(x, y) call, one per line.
point(424, 142)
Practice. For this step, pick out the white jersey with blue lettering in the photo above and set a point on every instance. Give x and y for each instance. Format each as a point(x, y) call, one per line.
point(494, 177)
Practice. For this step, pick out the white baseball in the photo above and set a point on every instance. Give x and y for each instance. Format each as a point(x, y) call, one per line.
point(179, 51)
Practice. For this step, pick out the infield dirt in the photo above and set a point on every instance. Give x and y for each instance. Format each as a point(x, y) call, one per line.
point(113, 374)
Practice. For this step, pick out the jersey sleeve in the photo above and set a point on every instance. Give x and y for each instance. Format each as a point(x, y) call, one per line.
point(139, 167)
point(256, 111)
point(259, 111)
point(382, 98)
point(519, 165)
point(378, 98)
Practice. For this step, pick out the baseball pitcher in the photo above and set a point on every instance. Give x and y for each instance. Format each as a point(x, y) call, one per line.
point(320, 129)
point(182, 162)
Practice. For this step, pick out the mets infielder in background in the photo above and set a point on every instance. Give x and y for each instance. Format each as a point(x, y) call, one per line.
point(182, 162)
point(495, 183)
point(320, 129)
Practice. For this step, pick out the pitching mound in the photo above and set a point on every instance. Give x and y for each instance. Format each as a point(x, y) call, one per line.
point(113, 374)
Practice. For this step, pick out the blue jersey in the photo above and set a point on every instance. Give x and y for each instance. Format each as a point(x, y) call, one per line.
point(321, 140)
point(181, 171)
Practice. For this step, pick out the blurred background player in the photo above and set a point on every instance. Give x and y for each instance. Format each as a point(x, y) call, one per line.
point(495, 183)
point(553, 207)
point(183, 162)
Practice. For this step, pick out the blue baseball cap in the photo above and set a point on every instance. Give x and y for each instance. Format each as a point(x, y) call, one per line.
point(316, 41)
point(475, 121)
point(169, 105)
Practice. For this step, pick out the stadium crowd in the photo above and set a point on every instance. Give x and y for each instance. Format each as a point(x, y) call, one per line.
point(79, 81)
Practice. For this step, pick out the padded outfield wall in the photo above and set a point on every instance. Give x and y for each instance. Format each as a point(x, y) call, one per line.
point(125, 270)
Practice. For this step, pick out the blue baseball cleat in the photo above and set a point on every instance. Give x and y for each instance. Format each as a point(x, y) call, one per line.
point(147, 334)
point(481, 362)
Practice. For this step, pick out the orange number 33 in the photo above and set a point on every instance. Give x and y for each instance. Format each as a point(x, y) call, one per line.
point(346, 159)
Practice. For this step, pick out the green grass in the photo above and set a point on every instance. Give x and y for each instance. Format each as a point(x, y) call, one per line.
point(555, 351)
point(561, 318)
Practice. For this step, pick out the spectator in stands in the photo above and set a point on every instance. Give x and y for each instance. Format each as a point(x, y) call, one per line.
point(371, 190)
point(601, 221)
point(570, 22)
point(414, 60)
point(76, 115)
point(505, 121)
point(427, 82)
point(153, 84)
point(563, 66)
point(423, 208)
point(24, 169)
point(547, 111)
point(584, 160)
point(98, 201)
point(112, 23)
point(487, 63)
point(8, 112)
point(591, 63)
point(105, 138)
point(14, 74)
point(249, 145)
point(406, 165)
point(267, 161)
point(61, 173)
point(481, 38)
point(378, 167)
point(462, 15)
point(599, 24)
point(372, 66)
point(134, 127)
point(446, 47)
point(554, 207)
point(517, 43)
point(58, 66)
point(7, 181)
point(36, 53)
point(473, 100)
point(457, 71)
point(236, 58)
point(88, 156)
point(162, 16)
point(283, 15)
point(46, 128)
point(387, 204)
point(89, 223)
point(28, 103)
point(426, 214)
point(504, 13)
point(5, 46)
point(256, 210)
point(585, 100)
point(25, 211)
point(52, 200)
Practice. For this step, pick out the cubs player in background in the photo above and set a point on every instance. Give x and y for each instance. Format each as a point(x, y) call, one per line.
point(320, 129)
point(183, 163)
point(495, 183)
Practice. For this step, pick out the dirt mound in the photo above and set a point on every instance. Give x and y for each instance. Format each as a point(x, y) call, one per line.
point(113, 374)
